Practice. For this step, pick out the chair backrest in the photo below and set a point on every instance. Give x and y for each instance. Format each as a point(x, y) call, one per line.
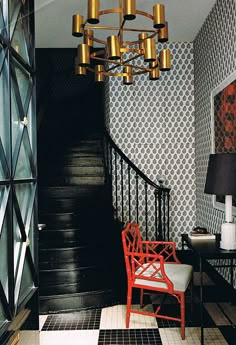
point(131, 240)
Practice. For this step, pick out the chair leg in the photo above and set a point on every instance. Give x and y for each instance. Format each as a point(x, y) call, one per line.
point(141, 298)
point(182, 315)
point(128, 307)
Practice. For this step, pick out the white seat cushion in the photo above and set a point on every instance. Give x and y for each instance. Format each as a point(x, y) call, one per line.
point(179, 274)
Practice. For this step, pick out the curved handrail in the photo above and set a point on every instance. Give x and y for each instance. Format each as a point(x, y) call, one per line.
point(132, 192)
point(133, 166)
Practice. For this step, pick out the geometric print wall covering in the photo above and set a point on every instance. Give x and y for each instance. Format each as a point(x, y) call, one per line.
point(152, 122)
point(214, 60)
point(18, 180)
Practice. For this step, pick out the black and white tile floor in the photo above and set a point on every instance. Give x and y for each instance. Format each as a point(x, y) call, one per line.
point(106, 326)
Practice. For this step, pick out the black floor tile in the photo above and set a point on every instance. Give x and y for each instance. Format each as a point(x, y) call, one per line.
point(212, 294)
point(229, 333)
point(193, 320)
point(129, 337)
point(86, 319)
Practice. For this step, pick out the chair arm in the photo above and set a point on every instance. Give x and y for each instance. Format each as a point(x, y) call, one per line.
point(165, 248)
point(149, 267)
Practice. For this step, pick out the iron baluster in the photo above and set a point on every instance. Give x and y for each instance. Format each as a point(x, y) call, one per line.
point(168, 215)
point(137, 201)
point(146, 210)
point(156, 219)
point(110, 160)
point(164, 214)
point(160, 234)
point(122, 190)
point(129, 195)
point(116, 185)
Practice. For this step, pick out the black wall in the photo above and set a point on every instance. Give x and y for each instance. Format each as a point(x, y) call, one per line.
point(68, 107)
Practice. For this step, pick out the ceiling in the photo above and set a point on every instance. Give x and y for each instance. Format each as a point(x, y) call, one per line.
point(54, 17)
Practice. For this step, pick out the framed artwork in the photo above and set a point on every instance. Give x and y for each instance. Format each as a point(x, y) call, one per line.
point(223, 115)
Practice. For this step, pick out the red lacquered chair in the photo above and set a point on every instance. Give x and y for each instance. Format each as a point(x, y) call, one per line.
point(154, 266)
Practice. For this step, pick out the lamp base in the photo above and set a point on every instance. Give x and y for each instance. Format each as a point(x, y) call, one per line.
point(228, 236)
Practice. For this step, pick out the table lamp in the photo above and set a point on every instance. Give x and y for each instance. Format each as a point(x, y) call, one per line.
point(221, 180)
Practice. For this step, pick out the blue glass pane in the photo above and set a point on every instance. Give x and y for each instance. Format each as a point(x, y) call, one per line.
point(2, 188)
point(23, 193)
point(17, 243)
point(31, 127)
point(24, 81)
point(26, 282)
point(2, 315)
point(23, 168)
point(15, 125)
point(18, 41)
point(4, 256)
point(32, 230)
point(4, 110)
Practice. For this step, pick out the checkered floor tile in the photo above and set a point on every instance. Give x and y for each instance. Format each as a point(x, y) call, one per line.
point(106, 326)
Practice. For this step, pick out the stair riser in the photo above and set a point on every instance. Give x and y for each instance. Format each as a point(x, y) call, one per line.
point(56, 163)
point(74, 303)
point(75, 171)
point(64, 265)
point(73, 180)
point(64, 255)
point(86, 279)
point(53, 205)
point(78, 192)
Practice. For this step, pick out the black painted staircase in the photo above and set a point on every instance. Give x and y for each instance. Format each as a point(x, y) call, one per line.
point(77, 247)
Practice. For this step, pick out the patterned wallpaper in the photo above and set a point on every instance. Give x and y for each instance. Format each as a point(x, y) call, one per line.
point(215, 60)
point(153, 124)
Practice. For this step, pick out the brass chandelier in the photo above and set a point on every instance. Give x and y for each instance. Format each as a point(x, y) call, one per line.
point(118, 57)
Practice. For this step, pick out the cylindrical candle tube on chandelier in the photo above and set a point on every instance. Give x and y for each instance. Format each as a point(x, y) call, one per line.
point(163, 34)
point(83, 55)
point(141, 37)
point(93, 11)
point(165, 60)
point(113, 47)
point(127, 79)
point(150, 50)
point(129, 9)
point(155, 72)
point(87, 37)
point(77, 28)
point(99, 76)
point(158, 16)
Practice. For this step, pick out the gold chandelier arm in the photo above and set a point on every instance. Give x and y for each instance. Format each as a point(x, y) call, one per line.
point(137, 42)
point(144, 14)
point(104, 27)
point(110, 10)
point(121, 74)
point(119, 64)
point(125, 63)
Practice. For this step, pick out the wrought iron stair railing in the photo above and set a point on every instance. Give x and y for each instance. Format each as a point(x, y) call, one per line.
point(135, 197)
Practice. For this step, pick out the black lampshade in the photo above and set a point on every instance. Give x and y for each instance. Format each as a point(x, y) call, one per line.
point(221, 174)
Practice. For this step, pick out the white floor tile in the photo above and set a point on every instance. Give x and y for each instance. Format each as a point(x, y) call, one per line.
point(29, 338)
point(82, 337)
point(42, 319)
point(172, 336)
point(114, 318)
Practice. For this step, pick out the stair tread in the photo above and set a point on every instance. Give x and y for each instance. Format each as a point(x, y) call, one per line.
point(69, 270)
point(77, 293)
point(65, 249)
